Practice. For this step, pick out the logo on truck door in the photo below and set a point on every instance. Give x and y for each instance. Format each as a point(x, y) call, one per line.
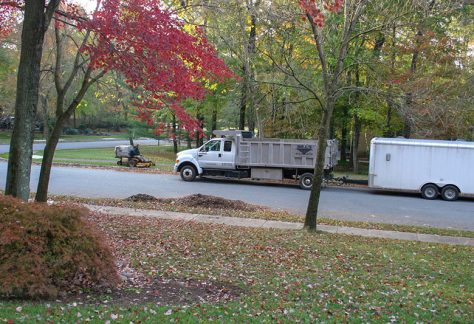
point(304, 149)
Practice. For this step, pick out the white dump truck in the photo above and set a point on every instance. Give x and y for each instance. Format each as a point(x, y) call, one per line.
point(237, 154)
point(430, 167)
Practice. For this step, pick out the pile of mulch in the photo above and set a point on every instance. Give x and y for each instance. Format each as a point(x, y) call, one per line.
point(198, 201)
point(141, 197)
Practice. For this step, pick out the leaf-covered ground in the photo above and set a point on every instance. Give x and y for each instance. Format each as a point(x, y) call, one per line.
point(275, 275)
point(210, 205)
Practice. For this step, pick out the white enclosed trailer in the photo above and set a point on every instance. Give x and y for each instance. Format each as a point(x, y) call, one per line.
point(431, 167)
point(237, 154)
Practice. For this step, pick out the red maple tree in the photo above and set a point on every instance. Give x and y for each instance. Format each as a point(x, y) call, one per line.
point(8, 13)
point(149, 46)
point(315, 9)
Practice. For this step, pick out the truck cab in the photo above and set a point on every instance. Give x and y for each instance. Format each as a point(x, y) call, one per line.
point(217, 153)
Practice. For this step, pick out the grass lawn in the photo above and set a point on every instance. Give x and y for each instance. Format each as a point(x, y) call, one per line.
point(163, 156)
point(5, 137)
point(281, 276)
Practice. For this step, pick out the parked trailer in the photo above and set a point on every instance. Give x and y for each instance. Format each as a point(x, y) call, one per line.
point(237, 154)
point(430, 167)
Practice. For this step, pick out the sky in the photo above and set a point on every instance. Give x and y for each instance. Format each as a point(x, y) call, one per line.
point(89, 5)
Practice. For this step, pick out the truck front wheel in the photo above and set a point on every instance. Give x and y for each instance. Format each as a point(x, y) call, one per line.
point(306, 181)
point(430, 191)
point(188, 173)
point(450, 193)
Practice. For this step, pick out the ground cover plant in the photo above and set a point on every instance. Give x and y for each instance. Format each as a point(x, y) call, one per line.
point(48, 250)
point(272, 275)
point(211, 205)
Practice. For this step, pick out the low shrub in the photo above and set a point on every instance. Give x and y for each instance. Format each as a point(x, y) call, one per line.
point(50, 250)
point(71, 131)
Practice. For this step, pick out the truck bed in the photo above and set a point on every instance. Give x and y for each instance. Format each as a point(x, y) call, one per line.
point(283, 153)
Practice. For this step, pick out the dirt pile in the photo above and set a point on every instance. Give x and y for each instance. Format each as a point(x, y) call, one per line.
point(205, 201)
point(141, 197)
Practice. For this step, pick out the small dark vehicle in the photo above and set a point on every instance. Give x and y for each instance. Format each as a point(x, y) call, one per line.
point(129, 155)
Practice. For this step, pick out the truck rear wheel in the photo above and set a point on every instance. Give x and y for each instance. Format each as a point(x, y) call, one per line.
point(430, 191)
point(188, 173)
point(306, 181)
point(450, 193)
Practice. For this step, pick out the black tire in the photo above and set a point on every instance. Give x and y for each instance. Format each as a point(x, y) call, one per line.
point(430, 191)
point(188, 173)
point(450, 193)
point(132, 163)
point(119, 162)
point(306, 181)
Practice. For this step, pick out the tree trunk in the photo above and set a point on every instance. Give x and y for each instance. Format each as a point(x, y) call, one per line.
point(199, 139)
point(44, 110)
point(188, 140)
point(343, 142)
point(251, 113)
point(35, 24)
point(173, 132)
point(46, 164)
point(62, 118)
point(409, 95)
point(389, 97)
point(214, 118)
point(313, 204)
point(243, 100)
point(388, 121)
point(355, 144)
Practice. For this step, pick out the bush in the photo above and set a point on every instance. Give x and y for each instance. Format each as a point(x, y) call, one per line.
point(48, 250)
point(71, 131)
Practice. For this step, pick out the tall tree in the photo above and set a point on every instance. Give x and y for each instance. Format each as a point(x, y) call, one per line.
point(157, 57)
point(331, 70)
point(38, 15)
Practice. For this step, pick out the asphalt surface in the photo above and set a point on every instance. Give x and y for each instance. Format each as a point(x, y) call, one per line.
point(336, 202)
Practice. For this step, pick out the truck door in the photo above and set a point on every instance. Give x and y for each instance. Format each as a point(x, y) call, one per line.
point(228, 154)
point(209, 155)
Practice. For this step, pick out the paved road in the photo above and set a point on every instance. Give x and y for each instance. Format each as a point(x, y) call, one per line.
point(339, 203)
point(4, 148)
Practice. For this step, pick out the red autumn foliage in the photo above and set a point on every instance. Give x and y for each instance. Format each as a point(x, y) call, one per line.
point(313, 9)
point(8, 12)
point(164, 63)
point(47, 250)
point(158, 58)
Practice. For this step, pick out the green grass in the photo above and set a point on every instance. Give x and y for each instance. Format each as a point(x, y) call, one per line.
point(163, 156)
point(6, 136)
point(285, 276)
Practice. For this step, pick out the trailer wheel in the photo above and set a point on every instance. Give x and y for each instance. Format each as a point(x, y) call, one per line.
point(450, 193)
point(430, 191)
point(306, 181)
point(188, 173)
